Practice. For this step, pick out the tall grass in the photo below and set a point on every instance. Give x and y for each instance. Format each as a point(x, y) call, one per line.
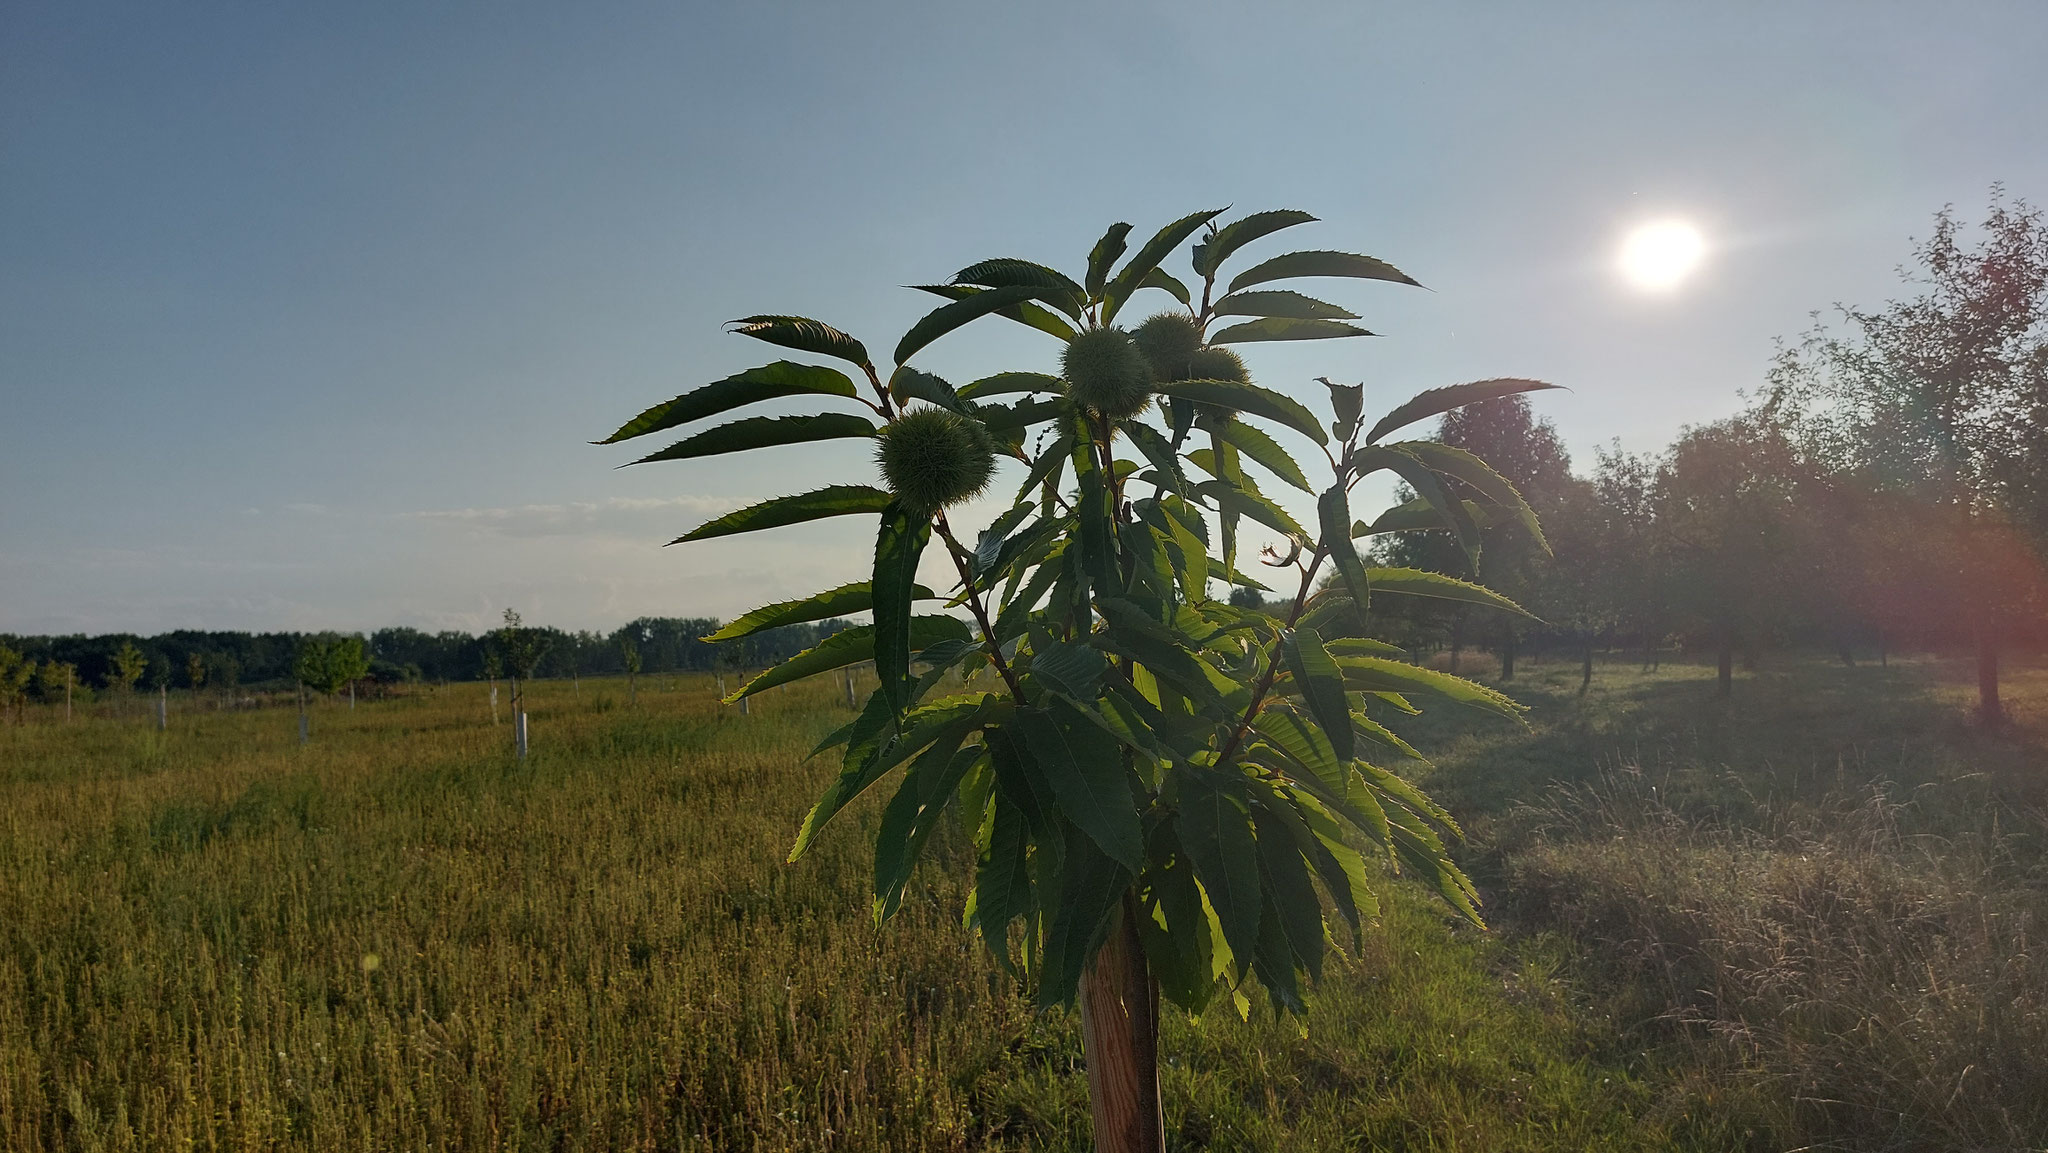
point(400, 937)
point(1813, 908)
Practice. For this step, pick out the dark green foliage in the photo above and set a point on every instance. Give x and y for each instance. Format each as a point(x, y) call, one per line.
point(1126, 739)
point(1106, 373)
point(931, 458)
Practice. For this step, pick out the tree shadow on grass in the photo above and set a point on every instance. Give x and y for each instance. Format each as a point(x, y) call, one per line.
point(1796, 733)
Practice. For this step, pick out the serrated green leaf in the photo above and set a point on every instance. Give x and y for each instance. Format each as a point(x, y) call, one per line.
point(1419, 515)
point(1481, 478)
point(1250, 398)
point(1416, 582)
point(1023, 312)
point(1210, 255)
point(908, 383)
point(898, 547)
point(783, 378)
point(1282, 837)
point(1104, 256)
point(1339, 865)
point(850, 646)
point(764, 432)
point(1244, 498)
point(1216, 830)
point(1161, 279)
point(1002, 881)
point(843, 601)
point(1133, 274)
point(1322, 687)
point(912, 814)
point(833, 500)
point(1085, 771)
point(1005, 272)
point(1156, 450)
point(1429, 486)
point(1023, 414)
point(1073, 669)
point(1013, 382)
point(1091, 890)
point(1437, 401)
point(1265, 451)
point(1378, 674)
point(1333, 516)
point(1363, 646)
point(1279, 303)
point(881, 745)
point(947, 317)
point(1296, 264)
point(1284, 328)
point(805, 335)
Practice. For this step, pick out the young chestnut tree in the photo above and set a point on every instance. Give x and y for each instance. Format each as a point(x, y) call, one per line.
point(1166, 790)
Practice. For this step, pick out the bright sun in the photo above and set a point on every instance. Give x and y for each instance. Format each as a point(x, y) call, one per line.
point(1658, 256)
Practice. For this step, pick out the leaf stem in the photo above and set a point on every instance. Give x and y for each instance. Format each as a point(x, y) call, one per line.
point(975, 606)
point(1308, 577)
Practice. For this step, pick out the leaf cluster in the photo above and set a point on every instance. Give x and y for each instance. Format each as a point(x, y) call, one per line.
point(1127, 743)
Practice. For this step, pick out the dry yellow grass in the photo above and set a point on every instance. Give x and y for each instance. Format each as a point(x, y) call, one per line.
point(400, 937)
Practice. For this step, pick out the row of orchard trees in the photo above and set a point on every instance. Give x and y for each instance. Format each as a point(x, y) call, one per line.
point(228, 662)
point(1888, 486)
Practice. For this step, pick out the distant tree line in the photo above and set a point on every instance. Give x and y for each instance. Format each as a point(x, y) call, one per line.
point(227, 661)
point(1888, 486)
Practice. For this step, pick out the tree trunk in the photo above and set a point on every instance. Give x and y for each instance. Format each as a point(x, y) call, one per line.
point(1507, 654)
point(1120, 1037)
point(1586, 665)
point(1727, 665)
point(1988, 706)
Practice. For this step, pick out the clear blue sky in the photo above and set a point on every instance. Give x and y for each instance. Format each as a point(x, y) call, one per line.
point(307, 314)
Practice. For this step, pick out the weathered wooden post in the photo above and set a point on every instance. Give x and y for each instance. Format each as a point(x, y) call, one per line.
point(519, 727)
point(163, 708)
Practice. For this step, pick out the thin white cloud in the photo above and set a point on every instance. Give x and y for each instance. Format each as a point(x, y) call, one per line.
point(577, 518)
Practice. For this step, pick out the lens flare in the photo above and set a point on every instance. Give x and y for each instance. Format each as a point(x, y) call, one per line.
point(1658, 257)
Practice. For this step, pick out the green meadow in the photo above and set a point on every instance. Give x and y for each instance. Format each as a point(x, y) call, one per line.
point(1799, 918)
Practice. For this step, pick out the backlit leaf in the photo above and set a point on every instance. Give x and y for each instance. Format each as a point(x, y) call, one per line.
point(1320, 264)
point(833, 500)
point(842, 601)
point(1322, 687)
point(1279, 303)
point(947, 317)
point(805, 335)
point(1283, 328)
point(1250, 398)
point(763, 432)
point(783, 378)
point(1437, 401)
point(1210, 254)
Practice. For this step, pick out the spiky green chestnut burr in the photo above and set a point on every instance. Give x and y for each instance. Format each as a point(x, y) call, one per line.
point(1106, 372)
point(1213, 363)
point(932, 458)
point(1169, 341)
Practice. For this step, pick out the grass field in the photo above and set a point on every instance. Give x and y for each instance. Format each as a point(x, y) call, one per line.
point(400, 937)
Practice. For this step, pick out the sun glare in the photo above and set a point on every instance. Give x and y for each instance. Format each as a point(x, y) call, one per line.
point(1659, 256)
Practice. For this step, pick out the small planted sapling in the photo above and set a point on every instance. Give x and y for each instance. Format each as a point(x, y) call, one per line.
point(1167, 790)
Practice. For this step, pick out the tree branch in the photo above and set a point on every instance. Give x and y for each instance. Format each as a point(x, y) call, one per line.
point(975, 606)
